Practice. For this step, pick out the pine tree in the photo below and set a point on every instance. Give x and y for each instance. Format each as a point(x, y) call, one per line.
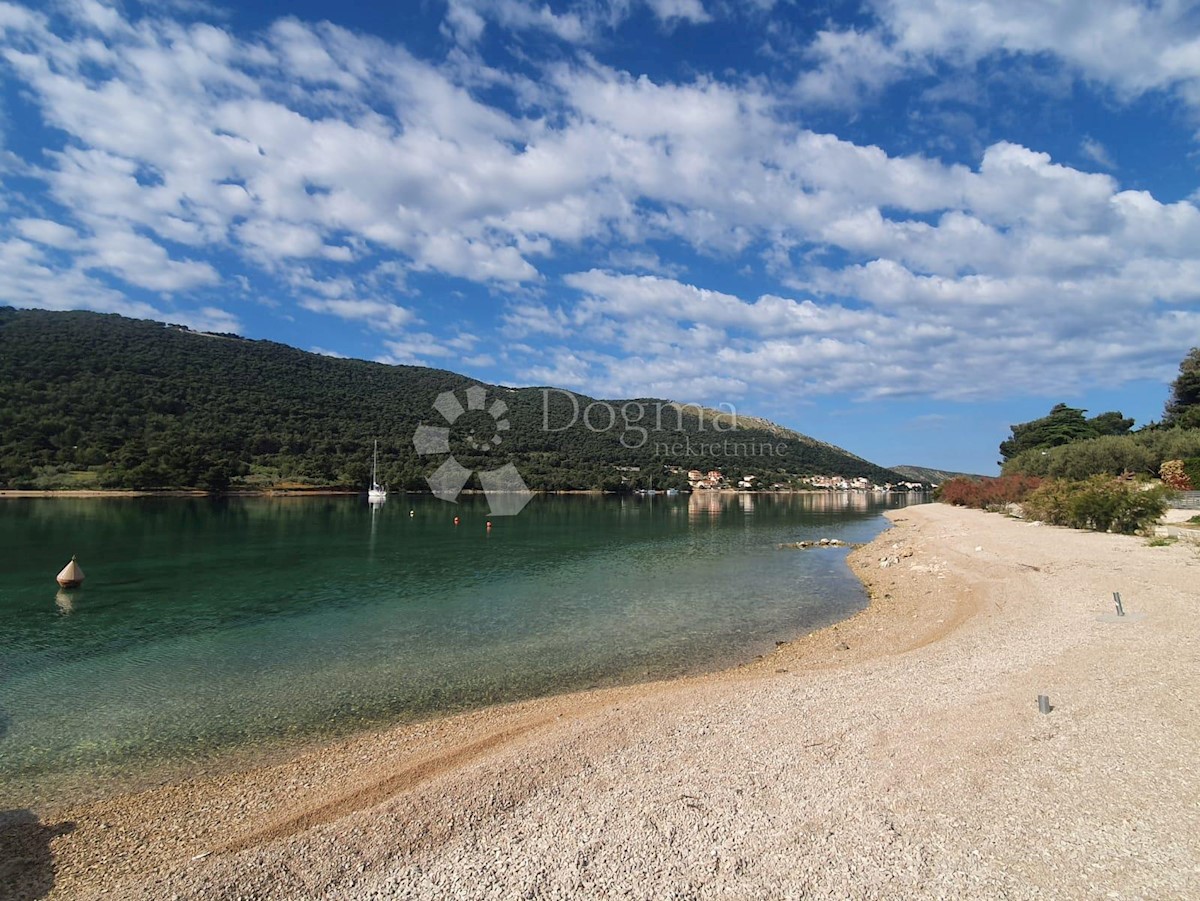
point(1183, 407)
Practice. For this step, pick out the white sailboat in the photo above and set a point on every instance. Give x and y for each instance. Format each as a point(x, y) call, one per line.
point(376, 494)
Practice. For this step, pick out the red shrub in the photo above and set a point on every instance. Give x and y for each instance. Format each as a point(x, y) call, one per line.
point(984, 493)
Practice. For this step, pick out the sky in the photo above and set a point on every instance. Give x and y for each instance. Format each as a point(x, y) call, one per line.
point(898, 226)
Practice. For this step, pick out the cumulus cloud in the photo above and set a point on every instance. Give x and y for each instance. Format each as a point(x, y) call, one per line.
point(850, 65)
point(31, 277)
point(343, 170)
point(676, 340)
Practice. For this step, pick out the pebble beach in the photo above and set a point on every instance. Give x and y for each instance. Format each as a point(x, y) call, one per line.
point(899, 753)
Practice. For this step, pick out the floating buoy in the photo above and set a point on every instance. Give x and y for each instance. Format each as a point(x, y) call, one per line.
point(71, 575)
point(412, 512)
point(456, 520)
point(489, 525)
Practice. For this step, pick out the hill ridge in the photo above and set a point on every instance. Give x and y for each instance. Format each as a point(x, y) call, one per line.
point(100, 400)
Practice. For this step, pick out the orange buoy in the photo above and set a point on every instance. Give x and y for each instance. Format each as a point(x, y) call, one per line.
point(71, 575)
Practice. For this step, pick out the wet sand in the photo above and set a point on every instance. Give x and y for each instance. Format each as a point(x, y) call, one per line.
point(899, 753)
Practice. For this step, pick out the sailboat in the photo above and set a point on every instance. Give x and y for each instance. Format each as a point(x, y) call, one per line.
point(376, 494)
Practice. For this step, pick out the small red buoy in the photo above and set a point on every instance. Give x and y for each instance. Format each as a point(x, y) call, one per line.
point(489, 525)
point(456, 520)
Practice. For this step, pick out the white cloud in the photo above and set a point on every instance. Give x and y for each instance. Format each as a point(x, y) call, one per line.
point(30, 279)
point(1129, 46)
point(425, 349)
point(848, 66)
point(1097, 153)
point(374, 313)
point(525, 319)
point(466, 19)
point(44, 231)
point(673, 337)
point(579, 22)
point(683, 10)
point(344, 170)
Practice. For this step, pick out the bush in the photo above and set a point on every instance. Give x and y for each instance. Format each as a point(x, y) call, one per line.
point(1175, 476)
point(1143, 453)
point(1191, 469)
point(983, 494)
point(1099, 503)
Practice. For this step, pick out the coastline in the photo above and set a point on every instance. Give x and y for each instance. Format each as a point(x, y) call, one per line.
point(352, 492)
point(853, 721)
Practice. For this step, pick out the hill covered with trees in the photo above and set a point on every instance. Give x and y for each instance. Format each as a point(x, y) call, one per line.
point(91, 400)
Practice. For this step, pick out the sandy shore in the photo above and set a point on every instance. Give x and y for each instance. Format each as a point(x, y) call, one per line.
point(899, 754)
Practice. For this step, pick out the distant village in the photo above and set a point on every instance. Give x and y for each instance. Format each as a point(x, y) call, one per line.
point(715, 480)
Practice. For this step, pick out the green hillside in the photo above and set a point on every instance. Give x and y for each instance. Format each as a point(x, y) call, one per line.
point(933, 476)
point(92, 400)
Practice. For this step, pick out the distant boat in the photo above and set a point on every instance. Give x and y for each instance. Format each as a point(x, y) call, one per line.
point(71, 575)
point(376, 494)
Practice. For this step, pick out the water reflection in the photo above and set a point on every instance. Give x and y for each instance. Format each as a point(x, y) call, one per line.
point(375, 506)
point(65, 601)
point(707, 505)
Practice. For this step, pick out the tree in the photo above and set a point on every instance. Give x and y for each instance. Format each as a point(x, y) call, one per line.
point(1111, 423)
point(1064, 425)
point(1183, 406)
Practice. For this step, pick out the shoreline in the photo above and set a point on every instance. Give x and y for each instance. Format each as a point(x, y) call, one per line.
point(410, 800)
point(353, 492)
point(209, 764)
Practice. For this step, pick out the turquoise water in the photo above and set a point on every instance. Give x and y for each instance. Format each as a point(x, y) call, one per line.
point(210, 625)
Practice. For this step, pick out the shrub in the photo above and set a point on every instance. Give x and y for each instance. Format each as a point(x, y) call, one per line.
point(1191, 468)
point(1099, 503)
point(1174, 475)
point(985, 494)
point(1143, 452)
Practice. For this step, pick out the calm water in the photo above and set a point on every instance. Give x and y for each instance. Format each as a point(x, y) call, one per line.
point(205, 626)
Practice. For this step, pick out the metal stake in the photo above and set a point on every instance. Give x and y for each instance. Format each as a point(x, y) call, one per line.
point(1117, 599)
point(1043, 703)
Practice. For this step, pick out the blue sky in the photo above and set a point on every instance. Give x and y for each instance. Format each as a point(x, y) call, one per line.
point(898, 226)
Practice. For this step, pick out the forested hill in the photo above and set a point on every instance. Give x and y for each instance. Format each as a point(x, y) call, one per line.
point(93, 400)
